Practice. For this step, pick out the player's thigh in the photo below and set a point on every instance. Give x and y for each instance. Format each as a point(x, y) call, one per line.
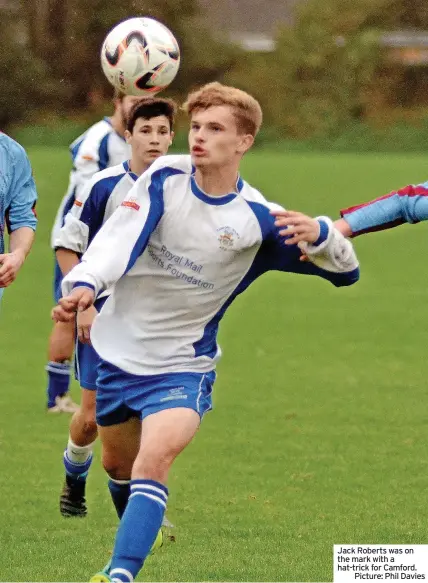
point(164, 435)
point(120, 445)
point(61, 342)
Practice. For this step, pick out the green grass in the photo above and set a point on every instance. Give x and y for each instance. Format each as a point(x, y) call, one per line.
point(318, 435)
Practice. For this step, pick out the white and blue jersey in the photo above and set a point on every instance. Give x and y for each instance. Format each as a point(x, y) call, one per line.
point(96, 202)
point(94, 205)
point(18, 194)
point(98, 148)
point(180, 257)
point(406, 205)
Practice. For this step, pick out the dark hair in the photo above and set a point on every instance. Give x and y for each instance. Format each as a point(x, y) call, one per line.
point(149, 107)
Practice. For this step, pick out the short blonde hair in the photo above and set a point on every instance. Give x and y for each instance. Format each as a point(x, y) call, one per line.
point(246, 109)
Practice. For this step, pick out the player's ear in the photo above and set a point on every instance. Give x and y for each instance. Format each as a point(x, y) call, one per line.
point(171, 138)
point(128, 136)
point(245, 143)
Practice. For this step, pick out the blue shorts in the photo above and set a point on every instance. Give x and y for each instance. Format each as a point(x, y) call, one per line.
point(58, 277)
point(86, 360)
point(121, 395)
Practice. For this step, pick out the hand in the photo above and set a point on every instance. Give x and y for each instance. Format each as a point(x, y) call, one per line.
point(10, 264)
point(298, 227)
point(84, 324)
point(79, 300)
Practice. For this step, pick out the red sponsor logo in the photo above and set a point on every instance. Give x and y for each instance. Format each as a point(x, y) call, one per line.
point(131, 204)
point(78, 203)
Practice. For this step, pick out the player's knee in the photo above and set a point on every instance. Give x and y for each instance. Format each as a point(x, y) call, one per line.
point(117, 468)
point(86, 421)
point(152, 466)
point(89, 425)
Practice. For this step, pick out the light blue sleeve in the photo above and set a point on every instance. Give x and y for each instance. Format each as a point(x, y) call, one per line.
point(23, 194)
point(407, 205)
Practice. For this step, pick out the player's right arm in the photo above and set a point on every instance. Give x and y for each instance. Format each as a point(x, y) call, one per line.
point(407, 205)
point(80, 224)
point(90, 154)
point(120, 241)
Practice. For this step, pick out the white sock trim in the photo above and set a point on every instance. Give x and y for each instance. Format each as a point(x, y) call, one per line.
point(78, 454)
point(155, 498)
point(120, 571)
point(65, 372)
point(151, 488)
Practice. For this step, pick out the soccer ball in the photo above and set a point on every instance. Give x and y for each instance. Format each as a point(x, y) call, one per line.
point(140, 56)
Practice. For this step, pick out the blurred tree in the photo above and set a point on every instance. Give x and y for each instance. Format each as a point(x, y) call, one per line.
point(67, 35)
point(32, 15)
point(315, 79)
point(26, 80)
point(324, 72)
point(329, 68)
point(400, 14)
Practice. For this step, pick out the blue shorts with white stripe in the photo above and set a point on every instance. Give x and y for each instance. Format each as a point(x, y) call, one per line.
point(121, 395)
point(58, 277)
point(86, 359)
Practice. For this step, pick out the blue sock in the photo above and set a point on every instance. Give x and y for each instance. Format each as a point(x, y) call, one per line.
point(138, 528)
point(119, 491)
point(58, 380)
point(76, 470)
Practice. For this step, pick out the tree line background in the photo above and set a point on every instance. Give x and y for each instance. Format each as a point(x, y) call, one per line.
point(328, 69)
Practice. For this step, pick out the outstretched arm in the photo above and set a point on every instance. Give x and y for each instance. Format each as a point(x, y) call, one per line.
point(330, 255)
point(407, 205)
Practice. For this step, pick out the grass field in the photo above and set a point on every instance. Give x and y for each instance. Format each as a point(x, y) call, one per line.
point(318, 435)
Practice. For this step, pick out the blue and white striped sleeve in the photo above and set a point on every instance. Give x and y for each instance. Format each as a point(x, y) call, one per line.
point(85, 218)
point(123, 237)
point(23, 194)
point(86, 215)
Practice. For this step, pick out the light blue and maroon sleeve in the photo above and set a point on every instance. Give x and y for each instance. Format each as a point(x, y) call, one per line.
point(407, 205)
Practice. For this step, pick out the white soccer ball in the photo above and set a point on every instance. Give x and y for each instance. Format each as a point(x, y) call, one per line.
point(140, 56)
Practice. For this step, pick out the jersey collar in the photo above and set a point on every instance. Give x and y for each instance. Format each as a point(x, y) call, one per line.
point(128, 171)
point(215, 200)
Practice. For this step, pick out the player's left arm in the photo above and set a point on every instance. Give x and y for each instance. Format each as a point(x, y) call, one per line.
point(407, 205)
point(330, 255)
point(20, 216)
